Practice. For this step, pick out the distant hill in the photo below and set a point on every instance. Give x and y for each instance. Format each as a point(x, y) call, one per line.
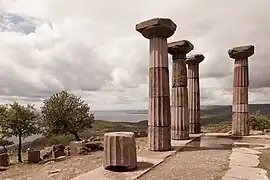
point(215, 114)
point(220, 113)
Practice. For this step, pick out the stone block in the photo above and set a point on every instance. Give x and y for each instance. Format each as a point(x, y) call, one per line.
point(240, 95)
point(33, 156)
point(179, 97)
point(120, 151)
point(159, 111)
point(241, 52)
point(162, 27)
point(159, 82)
point(159, 138)
point(4, 160)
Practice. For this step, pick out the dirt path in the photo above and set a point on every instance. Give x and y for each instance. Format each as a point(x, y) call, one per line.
point(201, 160)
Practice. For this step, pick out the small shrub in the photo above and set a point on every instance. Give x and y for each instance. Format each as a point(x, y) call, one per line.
point(259, 121)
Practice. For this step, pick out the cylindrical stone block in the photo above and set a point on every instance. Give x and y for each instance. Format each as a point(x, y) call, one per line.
point(158, 53)
point(239, 108)
point(120, 151)
point(33, 156)
point(4, 160)
point(194, 99)
point(159, 138)
point(179, 73)
point(180, 123)
point(240, 124)
point(158, 80)
point(241, 73)
point(179, 114)
point(193, 71)
point(179, 96)
point(240, 95)
point(194, 121)
point(159, 112)
point(159, 94)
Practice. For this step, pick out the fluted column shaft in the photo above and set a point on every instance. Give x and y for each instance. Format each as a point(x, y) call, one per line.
point(194, 98)
point(159, 95)
point(157, 30)
point(240, 125)
point(179, 111)
point(240, 118)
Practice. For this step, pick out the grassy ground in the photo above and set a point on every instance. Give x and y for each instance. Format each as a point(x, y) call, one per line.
point(265, 161)
point(100, 127)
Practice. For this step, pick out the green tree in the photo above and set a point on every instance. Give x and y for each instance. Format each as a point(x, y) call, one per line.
point(19, 121)
point(65, 113)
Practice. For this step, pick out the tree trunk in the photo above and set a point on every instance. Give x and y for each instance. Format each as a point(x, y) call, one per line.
point(20, 149)
point(76, 136)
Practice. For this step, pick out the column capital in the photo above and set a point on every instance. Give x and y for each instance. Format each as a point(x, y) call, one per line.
point(195, 59)
point(182, 46)
point(162, 27)
point(240, 52)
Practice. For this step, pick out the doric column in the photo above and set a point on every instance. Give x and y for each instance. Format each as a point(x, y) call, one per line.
point(179, 110)
point(194, 93)
point(240, 124)
point(159, 115)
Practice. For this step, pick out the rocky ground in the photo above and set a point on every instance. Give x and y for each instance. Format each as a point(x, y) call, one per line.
point(63, 170)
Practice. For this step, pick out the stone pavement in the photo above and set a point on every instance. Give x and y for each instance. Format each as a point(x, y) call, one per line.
point(244, 163)
point(146, 161)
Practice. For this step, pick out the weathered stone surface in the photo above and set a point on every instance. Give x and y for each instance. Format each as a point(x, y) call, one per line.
point(241, 52)
point(120, 150)
point(246, 173)
point(58, 150)
point(158, 52)
point(139, 134)
point(159, 111)
point(240, 124)
point(195, 128)
point(240, 108)
point(4, 160)
point(159, 138)
point(179, 73)
point(94, 146)
point(158, 80)
point(179, 97)
point(240, 95)
point(241, 75)
point(76, 147)
point(47, 153)
point(180, 123)
point(161, 27)
point(195, 59)
point(180, 47)
point(33, 156)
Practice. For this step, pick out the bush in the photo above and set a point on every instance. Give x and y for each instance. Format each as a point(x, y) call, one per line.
point(259, 121)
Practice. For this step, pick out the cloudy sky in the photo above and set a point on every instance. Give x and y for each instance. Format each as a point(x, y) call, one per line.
point(91, 48)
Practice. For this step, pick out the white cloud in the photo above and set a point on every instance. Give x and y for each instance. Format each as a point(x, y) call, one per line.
point(94, 50)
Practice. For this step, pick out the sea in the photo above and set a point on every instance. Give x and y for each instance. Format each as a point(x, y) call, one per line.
point(109, 115)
